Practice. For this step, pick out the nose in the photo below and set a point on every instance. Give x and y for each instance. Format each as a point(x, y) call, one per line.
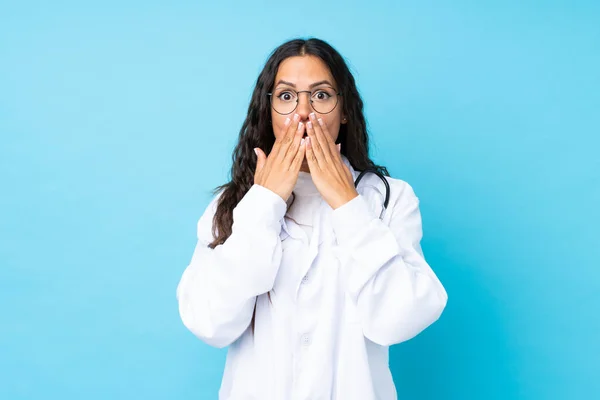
point(304, 107)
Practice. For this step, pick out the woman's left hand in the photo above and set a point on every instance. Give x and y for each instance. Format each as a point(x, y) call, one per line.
point(329, 173)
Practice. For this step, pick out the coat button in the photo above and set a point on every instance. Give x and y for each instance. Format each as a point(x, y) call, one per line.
point(305, 340)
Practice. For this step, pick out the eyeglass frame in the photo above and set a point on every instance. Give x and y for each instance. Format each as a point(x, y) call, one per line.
point(270, 94)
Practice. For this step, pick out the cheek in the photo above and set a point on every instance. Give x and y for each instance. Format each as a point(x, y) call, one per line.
point(333, 125)
point(277, 124)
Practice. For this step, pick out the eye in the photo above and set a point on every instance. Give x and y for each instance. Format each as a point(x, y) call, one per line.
point(286, 96)
point(322, 95)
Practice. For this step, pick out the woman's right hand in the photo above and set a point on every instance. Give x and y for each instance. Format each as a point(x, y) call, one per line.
point(279, 171)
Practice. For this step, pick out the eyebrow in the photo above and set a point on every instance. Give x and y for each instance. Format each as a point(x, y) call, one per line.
point(325, 81)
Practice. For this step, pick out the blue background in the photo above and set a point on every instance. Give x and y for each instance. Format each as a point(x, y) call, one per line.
point(116, 120)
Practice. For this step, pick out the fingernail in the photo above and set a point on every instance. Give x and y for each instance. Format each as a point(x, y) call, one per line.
point(302, 142)
point(307, 140)
point(339, 146)
point(312, 116)
point(309, 124)
point(255, 151)
point(320, 121)
point(287, 121)
point(296, 117)
point(300, 125)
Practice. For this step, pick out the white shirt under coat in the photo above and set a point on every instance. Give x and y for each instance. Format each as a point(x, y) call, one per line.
point(344, 285)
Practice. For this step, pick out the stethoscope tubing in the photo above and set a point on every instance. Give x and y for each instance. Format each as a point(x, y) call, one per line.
point(387, 186)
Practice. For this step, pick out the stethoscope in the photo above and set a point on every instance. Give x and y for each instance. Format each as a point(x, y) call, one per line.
point(387, 186)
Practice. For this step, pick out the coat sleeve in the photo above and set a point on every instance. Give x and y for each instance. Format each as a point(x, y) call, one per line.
point(217, 291)
point(395, 291)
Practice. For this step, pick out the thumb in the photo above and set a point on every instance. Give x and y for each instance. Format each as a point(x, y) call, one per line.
point(261, 159)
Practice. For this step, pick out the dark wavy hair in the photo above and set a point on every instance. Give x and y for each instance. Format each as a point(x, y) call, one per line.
point(257, 130)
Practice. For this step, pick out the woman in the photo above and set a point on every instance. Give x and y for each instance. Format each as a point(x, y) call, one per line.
point(294, 269)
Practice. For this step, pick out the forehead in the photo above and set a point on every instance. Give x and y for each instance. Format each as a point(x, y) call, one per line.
point(303, 70)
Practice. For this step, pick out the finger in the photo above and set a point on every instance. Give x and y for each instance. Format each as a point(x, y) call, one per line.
point(315, 145)
point(334, 155)
point(295, 145)
point(287, 137)
point(261, 159)
point(278, 140)
point(311, 159)
point(343, 165)
point(349, 174)
point(320, 143)
point(323, 134)
point(299, 157)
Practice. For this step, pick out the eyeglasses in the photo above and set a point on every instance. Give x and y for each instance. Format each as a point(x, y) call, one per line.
point(323, 100)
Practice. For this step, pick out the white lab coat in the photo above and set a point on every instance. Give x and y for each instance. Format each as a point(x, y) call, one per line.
point(336, 302)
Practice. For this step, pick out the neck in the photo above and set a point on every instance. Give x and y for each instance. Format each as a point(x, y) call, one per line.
point(304, 167)
point(305, 185)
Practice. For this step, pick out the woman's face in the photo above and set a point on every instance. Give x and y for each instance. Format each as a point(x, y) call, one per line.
point(308, 73)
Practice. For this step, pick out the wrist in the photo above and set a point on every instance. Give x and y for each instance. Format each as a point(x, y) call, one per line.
point(343, 200)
